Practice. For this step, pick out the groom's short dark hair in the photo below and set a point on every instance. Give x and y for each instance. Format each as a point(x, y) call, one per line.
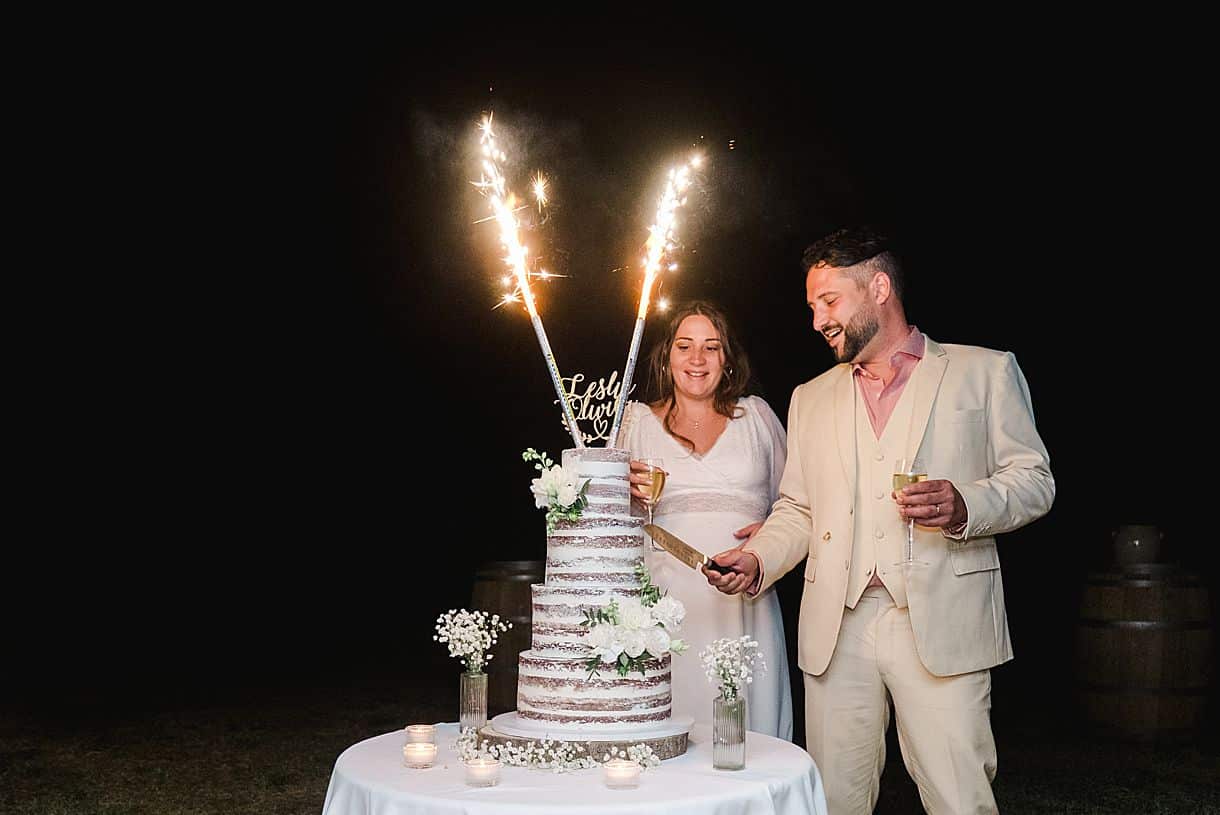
point(852, 246)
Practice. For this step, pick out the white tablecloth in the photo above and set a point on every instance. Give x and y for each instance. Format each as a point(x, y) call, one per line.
point(369, 779)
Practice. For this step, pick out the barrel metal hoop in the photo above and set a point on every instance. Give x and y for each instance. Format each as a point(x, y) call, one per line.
point(1145, 583)
point(1147, 625)
point(1129, 690)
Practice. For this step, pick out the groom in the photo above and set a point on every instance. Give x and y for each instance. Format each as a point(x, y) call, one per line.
point(870, 631)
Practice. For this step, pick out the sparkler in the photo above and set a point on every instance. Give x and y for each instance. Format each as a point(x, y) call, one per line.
point(504, 206)
point(660, 241)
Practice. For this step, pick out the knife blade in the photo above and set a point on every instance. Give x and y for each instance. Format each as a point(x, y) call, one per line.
point(682, 550)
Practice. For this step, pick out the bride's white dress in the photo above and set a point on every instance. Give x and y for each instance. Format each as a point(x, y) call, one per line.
point(706, 498)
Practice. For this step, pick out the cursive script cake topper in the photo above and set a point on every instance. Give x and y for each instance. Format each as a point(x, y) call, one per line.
point(593, 401)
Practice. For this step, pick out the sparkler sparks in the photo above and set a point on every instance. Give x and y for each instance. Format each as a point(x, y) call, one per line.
point(504, 208)
point(660, 244)
point(540, 190)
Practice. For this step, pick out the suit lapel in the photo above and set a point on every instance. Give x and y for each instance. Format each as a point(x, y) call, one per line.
point(926, 382)
point(845, 421)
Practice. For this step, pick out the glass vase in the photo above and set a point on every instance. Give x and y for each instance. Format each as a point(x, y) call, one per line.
point(729, 733)
point(472, 701)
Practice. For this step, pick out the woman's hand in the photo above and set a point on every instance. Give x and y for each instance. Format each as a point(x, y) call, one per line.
point(747, 533)
point(639, 478)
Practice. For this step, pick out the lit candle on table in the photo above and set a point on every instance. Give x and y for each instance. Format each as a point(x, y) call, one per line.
point(620, 773)
point(419, 754)
point(482, 772)
point(421, 733)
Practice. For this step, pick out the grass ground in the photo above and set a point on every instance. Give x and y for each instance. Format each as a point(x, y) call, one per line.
point(271, 751)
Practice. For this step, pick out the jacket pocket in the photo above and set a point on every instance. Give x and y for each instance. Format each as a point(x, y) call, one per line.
point(966, 416)
point(811, 568)
point(974, 557)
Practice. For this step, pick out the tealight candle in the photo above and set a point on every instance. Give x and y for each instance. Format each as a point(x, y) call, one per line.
point(418, 754)
point(482, 772)
point(421, 733)
point(620, 773)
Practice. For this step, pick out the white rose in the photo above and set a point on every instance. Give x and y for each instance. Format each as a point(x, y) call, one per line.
point(669, 612)
point(633, 642)
point(656, 640)
point(538, 488)
point(615, 644)
point(567, 495)
point(632, 615)
point(598, 636)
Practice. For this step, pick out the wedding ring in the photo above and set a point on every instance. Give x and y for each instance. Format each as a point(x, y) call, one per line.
point(938, 509)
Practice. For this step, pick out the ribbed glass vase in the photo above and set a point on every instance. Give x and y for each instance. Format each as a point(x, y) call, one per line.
point(472, 701)
point(729, 733)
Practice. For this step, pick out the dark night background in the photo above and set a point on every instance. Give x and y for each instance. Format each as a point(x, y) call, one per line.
point(315, 472)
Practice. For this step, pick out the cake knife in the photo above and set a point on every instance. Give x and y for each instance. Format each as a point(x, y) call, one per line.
point(682, 550)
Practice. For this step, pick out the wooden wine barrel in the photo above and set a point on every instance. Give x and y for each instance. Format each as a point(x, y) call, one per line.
point(503, 587)
point(1144, 651)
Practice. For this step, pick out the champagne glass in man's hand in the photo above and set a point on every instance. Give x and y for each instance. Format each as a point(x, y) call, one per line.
point(909, 471)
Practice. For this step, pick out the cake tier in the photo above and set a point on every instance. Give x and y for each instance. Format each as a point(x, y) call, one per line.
point(558, 612)
point(609, 491)
point(602, 548)
point(595, 553)
point(559, 691)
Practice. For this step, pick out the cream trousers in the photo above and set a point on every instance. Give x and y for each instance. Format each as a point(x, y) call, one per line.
point(944, 722)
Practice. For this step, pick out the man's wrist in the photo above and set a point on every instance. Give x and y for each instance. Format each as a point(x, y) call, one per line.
point(756, 586)
point(956, 532)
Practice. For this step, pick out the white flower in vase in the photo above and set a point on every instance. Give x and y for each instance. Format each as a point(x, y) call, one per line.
point(730, 662)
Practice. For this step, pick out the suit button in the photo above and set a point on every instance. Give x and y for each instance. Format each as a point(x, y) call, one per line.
point(880, 494)
point(880, 456)
point(879, 534)
point(846, 565)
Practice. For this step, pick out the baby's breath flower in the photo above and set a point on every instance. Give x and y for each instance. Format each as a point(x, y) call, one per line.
point(470, 635)
point(547, 754)
point(730, 662)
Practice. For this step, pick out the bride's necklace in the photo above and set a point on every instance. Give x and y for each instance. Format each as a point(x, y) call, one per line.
point(693, 422)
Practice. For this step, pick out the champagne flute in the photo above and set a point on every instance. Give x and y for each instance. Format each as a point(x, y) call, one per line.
point(656, 483)
point(909, 471)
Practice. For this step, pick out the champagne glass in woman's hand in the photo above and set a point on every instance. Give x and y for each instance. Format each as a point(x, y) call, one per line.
point(656, 483)
point(909, 471)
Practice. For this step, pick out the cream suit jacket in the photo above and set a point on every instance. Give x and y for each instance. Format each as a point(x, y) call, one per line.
point(974, 425)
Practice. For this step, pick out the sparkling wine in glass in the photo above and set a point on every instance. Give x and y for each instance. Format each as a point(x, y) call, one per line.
point(656, 483)
point(909, 471)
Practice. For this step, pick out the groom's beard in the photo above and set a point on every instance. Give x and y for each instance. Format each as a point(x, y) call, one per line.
point(862, 327)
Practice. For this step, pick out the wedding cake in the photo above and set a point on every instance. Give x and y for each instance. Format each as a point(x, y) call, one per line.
point(590, 561)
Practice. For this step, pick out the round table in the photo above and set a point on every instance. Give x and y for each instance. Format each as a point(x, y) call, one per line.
point(780, 778)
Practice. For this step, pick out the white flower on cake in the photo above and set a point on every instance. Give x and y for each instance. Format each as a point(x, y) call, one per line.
point(669, 612)
point(557, 489)
point(730, 663)
point(628, 631)
point(633, 615)
point(470, 635)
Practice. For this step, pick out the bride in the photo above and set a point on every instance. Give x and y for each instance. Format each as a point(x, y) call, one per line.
point(723, 453)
